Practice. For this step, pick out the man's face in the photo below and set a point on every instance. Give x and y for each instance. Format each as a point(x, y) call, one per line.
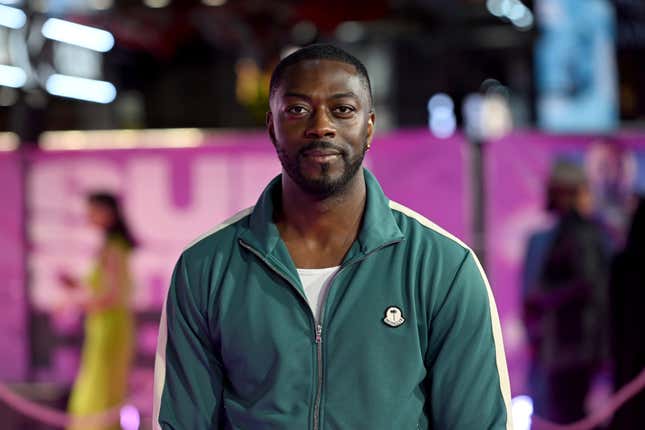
point(321, 123)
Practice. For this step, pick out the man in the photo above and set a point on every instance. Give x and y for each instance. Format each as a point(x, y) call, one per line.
point(564, 298)
point(328, 306)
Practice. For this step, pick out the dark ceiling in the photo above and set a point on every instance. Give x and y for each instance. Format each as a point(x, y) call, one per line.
point(180, 60)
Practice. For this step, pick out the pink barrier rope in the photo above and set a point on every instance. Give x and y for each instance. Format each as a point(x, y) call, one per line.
point(615, 402)
point(55, 417)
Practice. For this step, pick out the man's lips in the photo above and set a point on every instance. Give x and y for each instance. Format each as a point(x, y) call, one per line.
point(321, 153)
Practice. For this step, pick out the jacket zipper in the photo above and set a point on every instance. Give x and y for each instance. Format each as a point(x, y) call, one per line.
point(319, 329)
point(318, 339)
point(320, 374)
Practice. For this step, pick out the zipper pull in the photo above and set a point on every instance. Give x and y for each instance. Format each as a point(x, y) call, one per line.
point(319, 333)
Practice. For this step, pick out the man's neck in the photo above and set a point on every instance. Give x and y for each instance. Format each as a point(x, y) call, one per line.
point(319, 231)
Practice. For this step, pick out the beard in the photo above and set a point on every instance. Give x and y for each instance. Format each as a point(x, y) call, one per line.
point(326, 183)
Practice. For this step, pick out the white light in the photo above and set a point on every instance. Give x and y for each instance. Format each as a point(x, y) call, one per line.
point(514, 10)
point(119, 139)
point(495, 7)
point(12, 17)
point(522, 409)
point(440, 100)
point(77, 34)
point(525, 21)
point(130, 418)
point(11, 76)
point(8, 141)
point(517, 11)
point(13, 2)
point(156, 3)
point(496, 119)
point(214, 2)
point(442, 112)
point(81, 88)
point(444, 127)
point(442, 121)
point(506, 6)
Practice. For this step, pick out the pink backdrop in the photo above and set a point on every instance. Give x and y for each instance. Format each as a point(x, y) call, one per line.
point(171, 196)
point(13, 318)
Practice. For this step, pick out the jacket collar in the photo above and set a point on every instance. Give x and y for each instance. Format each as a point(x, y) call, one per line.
point(378, 227)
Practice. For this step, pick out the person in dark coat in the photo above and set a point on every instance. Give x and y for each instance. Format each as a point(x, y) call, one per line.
point(564, 300)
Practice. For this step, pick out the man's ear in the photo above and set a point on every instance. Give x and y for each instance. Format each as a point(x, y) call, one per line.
point(269, 124)
point(370, 128)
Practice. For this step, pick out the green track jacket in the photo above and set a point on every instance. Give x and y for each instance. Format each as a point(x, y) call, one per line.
point(409, 336)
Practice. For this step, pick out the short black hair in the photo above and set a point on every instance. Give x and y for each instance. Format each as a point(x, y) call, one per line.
point(319, 51)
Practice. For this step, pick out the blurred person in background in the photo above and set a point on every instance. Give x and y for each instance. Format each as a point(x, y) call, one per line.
point(564, 298)
point(109, 325)
point(326, 305)
point(612, 171)
point(627, 293)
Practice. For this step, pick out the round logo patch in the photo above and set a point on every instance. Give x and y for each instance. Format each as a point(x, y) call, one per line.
point(393, 316)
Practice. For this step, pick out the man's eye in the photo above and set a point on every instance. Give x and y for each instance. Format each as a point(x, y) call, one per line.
point(297, 110)
point(344, 110)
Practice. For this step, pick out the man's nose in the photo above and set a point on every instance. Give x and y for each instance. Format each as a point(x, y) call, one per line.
point(320, 126)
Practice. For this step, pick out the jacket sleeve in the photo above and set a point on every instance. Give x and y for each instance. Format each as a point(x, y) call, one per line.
point(188, 378)
point(467, 375)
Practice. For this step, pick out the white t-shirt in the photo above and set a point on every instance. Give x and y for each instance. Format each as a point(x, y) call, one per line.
point(315, 282)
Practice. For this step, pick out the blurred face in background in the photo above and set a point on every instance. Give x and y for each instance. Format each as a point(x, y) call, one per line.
point(100, 216)
point(585, 201)
point(321, 122)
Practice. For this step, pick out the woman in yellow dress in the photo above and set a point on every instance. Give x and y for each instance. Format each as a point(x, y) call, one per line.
point(102, 379)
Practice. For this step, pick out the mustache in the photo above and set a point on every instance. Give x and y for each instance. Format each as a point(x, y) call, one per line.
point(321, 145)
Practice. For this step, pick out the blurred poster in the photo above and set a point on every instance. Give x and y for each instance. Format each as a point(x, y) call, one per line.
point(576, 66)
